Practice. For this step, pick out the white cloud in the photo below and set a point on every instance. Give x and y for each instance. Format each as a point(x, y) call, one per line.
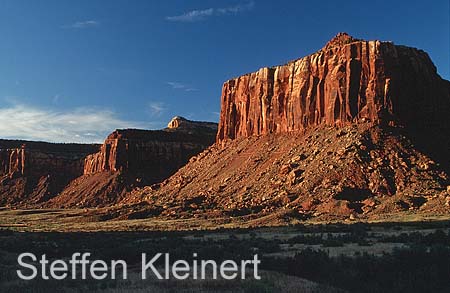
point(156, 109)
point(194, 15)
point(199, 15)
point(181, 86)
point(81, 125)
point(236, 9)
point(176, 85)
point(82, 24)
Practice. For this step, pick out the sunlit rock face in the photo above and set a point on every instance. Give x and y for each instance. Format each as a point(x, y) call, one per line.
point(348, 80)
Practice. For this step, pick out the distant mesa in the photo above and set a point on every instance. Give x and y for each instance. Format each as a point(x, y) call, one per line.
point(34, 172)
point(182, 123)
point(65, 175)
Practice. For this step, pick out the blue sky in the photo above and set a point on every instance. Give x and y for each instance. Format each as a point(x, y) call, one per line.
point(73, 71)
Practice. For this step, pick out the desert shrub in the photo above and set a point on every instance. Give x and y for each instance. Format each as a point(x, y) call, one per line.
point(306, 239)
point(333, 241)
point(436, 237)
point(416, 269)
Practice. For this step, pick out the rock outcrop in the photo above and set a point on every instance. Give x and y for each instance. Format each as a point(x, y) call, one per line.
point(350, 132)
point(12, 161)
point(67, 175)
point(32, 172)
point(156, 153)
point(348, 80)
point(131, 158)
point(179, 123)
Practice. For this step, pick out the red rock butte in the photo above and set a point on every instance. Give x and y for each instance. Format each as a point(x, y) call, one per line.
point(359, 129)
point(348, 80)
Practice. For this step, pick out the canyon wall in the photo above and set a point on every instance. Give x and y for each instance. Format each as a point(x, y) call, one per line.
point(131, 158)
point(60, 175)
point(348, 80)
point(21, 158)
point(155, 154)
point(12, 161)
point(36, 171)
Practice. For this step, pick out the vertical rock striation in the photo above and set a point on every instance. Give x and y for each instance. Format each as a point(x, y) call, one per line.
point(348, 80)
point(156, 154)
point(32, 172)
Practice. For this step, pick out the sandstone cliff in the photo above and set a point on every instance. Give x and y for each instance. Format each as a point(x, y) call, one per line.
point(33, 172)
point(131, 157)
point(145, 150)
point(346, 81)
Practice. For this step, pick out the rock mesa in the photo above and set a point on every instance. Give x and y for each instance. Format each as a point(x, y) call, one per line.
point(346, 81)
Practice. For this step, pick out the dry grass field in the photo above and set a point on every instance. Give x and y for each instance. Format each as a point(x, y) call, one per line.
point(407, 255)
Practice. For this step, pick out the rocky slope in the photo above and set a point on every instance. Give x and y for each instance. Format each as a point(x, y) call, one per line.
point(131, 158)
point(357, 130)
point(327, 173)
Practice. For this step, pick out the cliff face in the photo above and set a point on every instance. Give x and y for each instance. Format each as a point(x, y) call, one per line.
point(34, 171)
point(55, 175)
point(348, 80)
point(29, 162)
point(131, 158)
point(156, 153)
point(12, 161)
